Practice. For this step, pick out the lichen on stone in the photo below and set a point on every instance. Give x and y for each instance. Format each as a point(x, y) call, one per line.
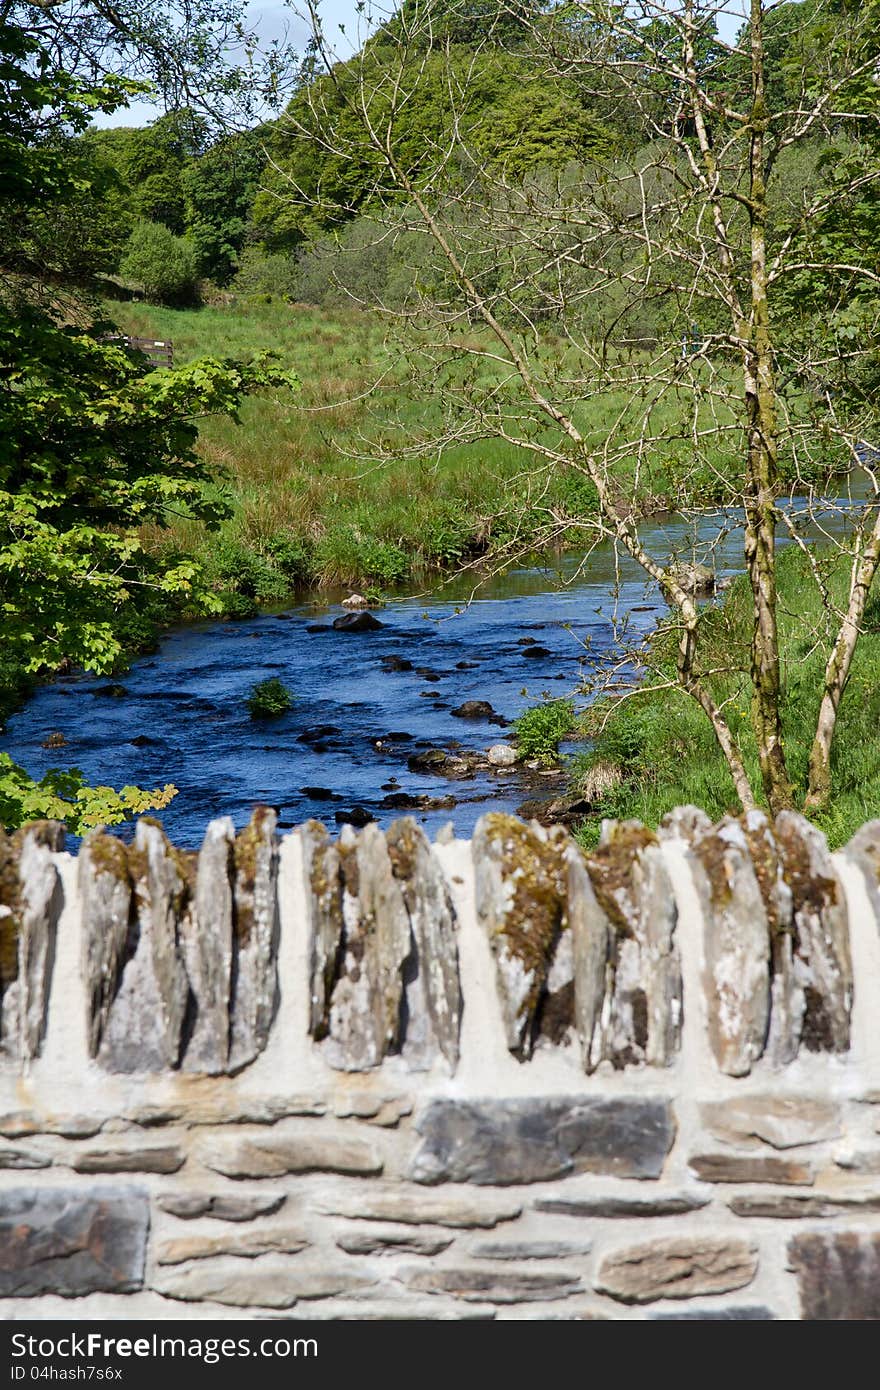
point(521, 895)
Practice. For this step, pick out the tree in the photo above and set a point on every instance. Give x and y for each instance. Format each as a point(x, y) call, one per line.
point(202, 56)
point(753, 184)
point(164, 265)
point(93, 445)
point(219, 189)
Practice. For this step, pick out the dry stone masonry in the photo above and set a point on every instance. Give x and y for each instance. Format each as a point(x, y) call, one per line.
point(374, 1077)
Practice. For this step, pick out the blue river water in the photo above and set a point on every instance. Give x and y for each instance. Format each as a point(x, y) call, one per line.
point(184, 719)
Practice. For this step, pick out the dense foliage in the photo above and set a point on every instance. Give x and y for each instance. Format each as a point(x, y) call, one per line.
point(93, 445)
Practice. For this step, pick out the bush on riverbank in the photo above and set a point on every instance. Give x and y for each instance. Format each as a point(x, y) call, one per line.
point(540, 730)
point(663, 744)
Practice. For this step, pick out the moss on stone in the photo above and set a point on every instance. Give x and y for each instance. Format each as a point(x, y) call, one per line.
point(246, 855)
point(611, 867)
point(767, 864)
point(534, 870)
point(811, 891)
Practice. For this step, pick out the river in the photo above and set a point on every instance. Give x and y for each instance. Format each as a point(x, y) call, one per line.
point(183, 717)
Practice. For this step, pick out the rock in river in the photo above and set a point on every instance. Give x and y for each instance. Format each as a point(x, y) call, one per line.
point(356, 622)
point(474, 709)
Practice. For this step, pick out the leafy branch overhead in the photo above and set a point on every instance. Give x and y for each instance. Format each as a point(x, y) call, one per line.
point(94, 446)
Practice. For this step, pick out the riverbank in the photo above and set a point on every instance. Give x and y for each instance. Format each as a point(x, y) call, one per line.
point(314, 505)
point(656, 749)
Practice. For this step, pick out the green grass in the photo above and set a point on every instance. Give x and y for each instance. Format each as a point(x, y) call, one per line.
point(312, 503)
point(664, 747)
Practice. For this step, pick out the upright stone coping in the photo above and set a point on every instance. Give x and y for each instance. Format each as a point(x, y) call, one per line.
point(370, 1076)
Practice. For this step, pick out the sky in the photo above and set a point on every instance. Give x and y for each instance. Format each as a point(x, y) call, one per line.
point(274, 20)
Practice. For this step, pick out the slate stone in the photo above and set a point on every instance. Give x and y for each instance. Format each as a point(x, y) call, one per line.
point(324, 920)
point(229, 1284)
point(677, 1267)
point(145, 1018)
point(365, 1007)
point(221, 1206)
point(412, 1207)
point(864, 850)
point(784, 1122)
point(206, 939)
point(495, 1285)
point(255, 992)
point(72, 1241)
point(859, 1160)
point(244, 1244)
point(751, 1168)
point(821, 933)
point(41, 900)
point(224, 1107)
point(530, 1249)
point(433, 1000)
point(676, 1204)
point(641, 1014)
point(686, 823)
point(520, 887)
point(384, 1111)
point(792, 1206)
point(19, 1124)
point(746, 1314)
point(499, 1142)
point(106, 900)
point(134, 1158)
point(838, 1274)
point(392, 1242)
point(787, 997)
point(259, 1286)
point(16, 1156)
point(272, 1158)
point(736, 947)
point(590, 933)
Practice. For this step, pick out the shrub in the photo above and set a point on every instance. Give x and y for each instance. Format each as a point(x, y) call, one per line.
point(263, 276)
point(269, 698)
point(539, 731)
point(162, 263)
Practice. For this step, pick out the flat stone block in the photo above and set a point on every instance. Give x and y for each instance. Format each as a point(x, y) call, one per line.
point(245, 1244)
point(749, 1314)
point(751, 1168)
point(221, 1206)
point(495, 1285)
point(242, 1285)
point(137, 1158)
point(415, 1208)
point(838, 1274)
point(783, 1122)
point(72, 1241)
point(24, 1124)
point(659, 1204)
point(272, 1158)
point(678, 1267)
point(500, 1142)
point(17, 1156)
point(392, 1242)
point(530, 1249)
point(791, 1206)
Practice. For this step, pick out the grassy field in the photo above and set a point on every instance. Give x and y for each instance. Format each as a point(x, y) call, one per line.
point(662, 745)
point(312, 502)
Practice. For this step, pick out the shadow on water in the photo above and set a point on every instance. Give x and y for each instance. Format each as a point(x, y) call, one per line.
point(355, 720)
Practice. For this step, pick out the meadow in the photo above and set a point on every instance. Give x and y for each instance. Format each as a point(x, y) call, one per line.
point(317, 497)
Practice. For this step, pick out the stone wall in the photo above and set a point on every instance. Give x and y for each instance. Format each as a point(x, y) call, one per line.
point(373, 1077)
